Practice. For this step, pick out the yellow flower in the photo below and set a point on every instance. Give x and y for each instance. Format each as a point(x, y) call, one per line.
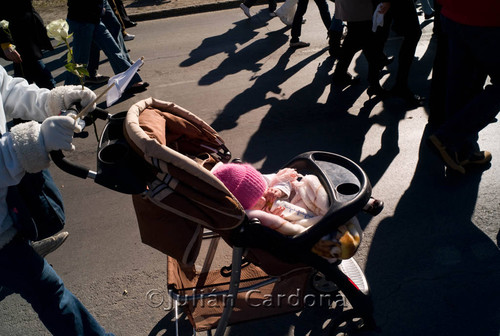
point(58, 30)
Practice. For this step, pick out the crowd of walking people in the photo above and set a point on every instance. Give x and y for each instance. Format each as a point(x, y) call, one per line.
point(465, 90)
point(465, 76)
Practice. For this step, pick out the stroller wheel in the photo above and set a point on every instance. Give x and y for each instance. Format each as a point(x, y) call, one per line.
point(347, 323)
point(320, 284)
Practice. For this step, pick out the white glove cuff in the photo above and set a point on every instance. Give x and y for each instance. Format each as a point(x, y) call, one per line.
point(55, 101)
point(29, 146)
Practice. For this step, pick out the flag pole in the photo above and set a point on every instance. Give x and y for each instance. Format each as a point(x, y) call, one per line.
point(84, 111)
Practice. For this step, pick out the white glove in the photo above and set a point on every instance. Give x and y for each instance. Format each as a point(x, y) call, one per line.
point(57, 133)
point(62, 97)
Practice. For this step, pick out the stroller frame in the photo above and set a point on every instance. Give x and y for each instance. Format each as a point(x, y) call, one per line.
point(346, 184)
point(351, 196)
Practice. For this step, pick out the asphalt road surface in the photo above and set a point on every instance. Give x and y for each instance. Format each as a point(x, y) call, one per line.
point(431, 257)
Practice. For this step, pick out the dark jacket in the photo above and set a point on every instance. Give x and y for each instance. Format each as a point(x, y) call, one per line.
point(88, 11)
point(27, 28)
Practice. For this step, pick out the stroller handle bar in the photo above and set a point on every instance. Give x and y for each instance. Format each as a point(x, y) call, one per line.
point(66, 165)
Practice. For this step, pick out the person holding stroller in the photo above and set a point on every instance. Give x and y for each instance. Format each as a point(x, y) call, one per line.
point(24, 149)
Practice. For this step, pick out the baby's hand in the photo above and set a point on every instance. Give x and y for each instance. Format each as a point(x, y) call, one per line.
point(278, 211)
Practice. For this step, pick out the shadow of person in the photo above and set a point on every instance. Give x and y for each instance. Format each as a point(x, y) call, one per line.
point(247, 58)
point(255, 96)
point(431, 270)
point(311, 320)
point(301, 123)
point(242, 32)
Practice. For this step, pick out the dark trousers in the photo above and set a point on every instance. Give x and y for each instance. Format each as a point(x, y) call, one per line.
point(34, 71)
point(404, 19)
point(119, 10)
point(359, 37)
point(473, 54)
point(272, 4)
point(299, 15)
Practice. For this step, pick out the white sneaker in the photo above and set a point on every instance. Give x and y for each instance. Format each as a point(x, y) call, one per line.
point(351, 268)
point(246, 10)
point(128, 37)
point(49, 244)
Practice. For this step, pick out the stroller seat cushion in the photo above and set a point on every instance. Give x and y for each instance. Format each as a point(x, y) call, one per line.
point(174, 131)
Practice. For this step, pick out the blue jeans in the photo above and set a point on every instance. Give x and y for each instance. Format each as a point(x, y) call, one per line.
point(474, 53)
point(115, 28)
point(23, 271)
point(87, 34)
point(427, 7)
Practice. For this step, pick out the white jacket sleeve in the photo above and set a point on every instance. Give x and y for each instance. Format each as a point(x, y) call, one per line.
point(22, 100)
point(11, 170)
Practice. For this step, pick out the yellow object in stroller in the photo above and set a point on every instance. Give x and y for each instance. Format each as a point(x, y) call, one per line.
point(184, 203)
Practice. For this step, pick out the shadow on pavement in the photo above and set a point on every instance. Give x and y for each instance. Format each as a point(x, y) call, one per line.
point(227, 43)
point(432, 271)
point(312, 320)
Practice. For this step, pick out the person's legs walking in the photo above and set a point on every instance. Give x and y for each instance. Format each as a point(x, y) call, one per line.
point(352, 44)
point(335, 33)
point(473, 52)
point(27, 273)
point(405, 22)
point(324, 12)
point(297, 25)
point(115, 28)
point(83, 34)
point(117, 60)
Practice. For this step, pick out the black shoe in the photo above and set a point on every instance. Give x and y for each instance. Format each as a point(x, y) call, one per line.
point(477, 158)
point(449, 157)
point(377, 90)
point(97, 79)
point(138, 88)
point(130, 24)
point(344, 79)
point(410, 97)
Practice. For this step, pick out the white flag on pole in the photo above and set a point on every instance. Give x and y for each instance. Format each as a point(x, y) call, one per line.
point(121, 81)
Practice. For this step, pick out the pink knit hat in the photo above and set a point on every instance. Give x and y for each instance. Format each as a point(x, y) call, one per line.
point(243, 181)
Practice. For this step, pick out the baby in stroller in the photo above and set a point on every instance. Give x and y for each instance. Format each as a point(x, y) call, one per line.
point(289, 203)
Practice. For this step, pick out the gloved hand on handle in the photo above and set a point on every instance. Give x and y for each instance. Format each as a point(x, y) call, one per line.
point(57, 133)
point(32, 142)
point(62, 97)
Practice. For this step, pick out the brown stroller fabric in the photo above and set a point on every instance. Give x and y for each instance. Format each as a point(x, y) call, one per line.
point(182, 200)
point(265, 301)
point(184, 197)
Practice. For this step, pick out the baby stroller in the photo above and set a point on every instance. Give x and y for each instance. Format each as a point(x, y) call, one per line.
point(162, 155)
